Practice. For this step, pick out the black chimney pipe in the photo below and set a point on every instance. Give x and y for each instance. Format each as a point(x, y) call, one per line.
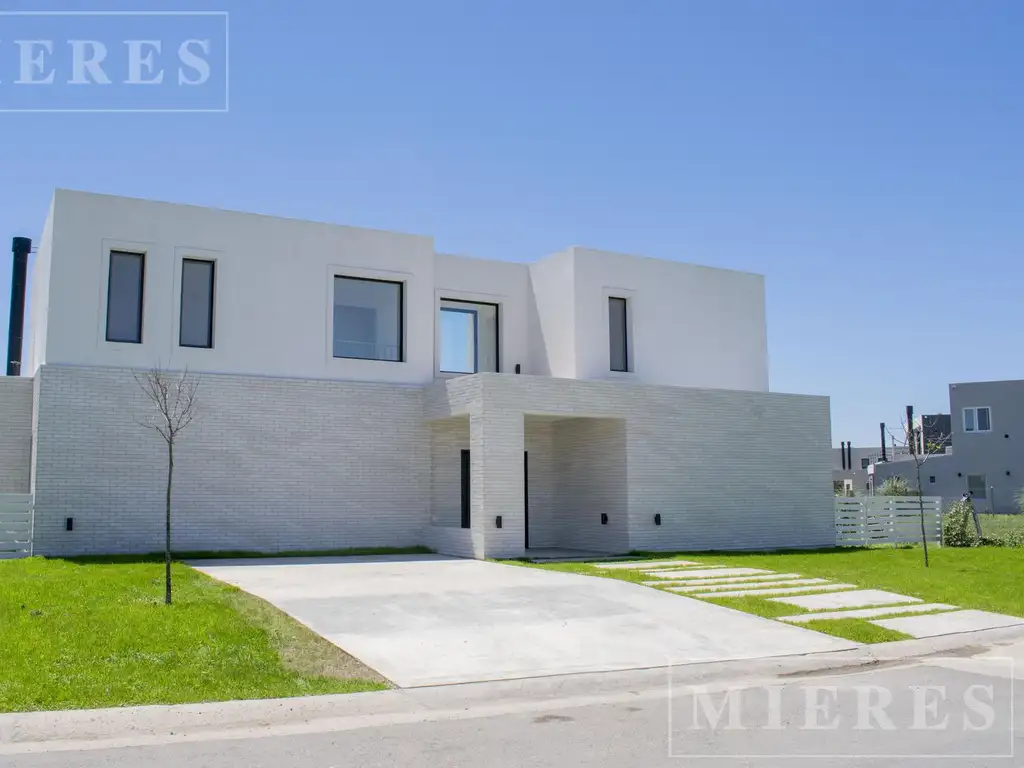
point(911, 443)
point(842, 453)
point(881, 428)
point(20, 246)
point(849, 454)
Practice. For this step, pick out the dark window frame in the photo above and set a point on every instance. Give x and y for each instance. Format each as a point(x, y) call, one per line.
point(401, 316)
point(476, 332)
point(625, 334)
point(141, 255)
point(210, 308)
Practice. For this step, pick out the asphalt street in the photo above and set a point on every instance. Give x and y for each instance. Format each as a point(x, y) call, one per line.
point(954, 711)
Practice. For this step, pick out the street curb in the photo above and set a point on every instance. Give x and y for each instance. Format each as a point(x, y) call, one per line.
point(136, 726)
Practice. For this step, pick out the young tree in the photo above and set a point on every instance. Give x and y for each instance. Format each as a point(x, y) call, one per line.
point(911, 440)
point(173, 398)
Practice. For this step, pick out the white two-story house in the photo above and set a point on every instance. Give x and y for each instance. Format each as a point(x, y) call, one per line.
point(359, 389)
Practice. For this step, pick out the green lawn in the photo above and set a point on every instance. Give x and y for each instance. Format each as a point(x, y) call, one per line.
point(94, 634)
point(986, 578)
point(998, 526)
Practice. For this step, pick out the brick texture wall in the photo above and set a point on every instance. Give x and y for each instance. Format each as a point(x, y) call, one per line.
point(270, 464)
point(725, 469)
point(15, 434)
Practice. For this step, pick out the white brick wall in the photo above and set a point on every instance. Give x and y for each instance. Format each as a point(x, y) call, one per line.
point(591, 470)
point(278, 464)
point(271, 464)
point(725, 469)
point(15, 434)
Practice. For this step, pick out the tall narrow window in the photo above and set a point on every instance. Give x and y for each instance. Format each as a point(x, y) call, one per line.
point(618, 333)
point(124, 297)
point(468, 337)
point(368, 319)
point(196, 321)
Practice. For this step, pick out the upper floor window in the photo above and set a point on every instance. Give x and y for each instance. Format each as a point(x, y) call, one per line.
point(125, 282)
point(865, 463)
point(468, 337)
point(368, 319)
point(977, 419)
point(196, 321)
point(618, 333)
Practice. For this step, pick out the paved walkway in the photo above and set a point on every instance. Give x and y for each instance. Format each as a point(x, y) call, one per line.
point(819, 598)
point(425, 619)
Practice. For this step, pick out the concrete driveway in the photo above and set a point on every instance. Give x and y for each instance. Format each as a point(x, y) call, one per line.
point(430, 620)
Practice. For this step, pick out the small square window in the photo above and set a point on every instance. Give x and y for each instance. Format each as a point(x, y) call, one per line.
point(931, 478)
point(977, 419)
point(865, 463)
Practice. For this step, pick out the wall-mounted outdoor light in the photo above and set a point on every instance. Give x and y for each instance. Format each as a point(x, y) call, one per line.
point(497, 522)
point(69, 523)
point(604, 519)
point(657, 519)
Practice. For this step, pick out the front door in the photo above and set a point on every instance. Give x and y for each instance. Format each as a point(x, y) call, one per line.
point(465, 490)
point(526, 495)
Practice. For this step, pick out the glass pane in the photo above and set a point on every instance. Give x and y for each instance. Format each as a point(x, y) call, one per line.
point(968, 419)
point(617, 334)
point(468, 337)
point(983, 420)
point(458, 340)
point(196, 303)
point(124, 297)
point(367, 319)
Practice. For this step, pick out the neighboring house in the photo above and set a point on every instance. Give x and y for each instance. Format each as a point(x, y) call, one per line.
point(359, 390)
point(850, 467)
point(987, 453)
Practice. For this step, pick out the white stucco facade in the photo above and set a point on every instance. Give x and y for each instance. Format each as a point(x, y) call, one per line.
point(299, 448)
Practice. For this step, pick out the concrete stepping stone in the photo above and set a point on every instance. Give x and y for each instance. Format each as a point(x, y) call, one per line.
point(867, 613)
point(772, 591)
point(861, 598)
point(748, 585)
point(647, 564)
point(737, 580)
point(948, 623)
point(708, 572)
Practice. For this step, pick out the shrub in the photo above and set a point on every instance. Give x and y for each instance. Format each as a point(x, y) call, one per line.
point(895, 486)
point(1020, 500)
point(958, 525)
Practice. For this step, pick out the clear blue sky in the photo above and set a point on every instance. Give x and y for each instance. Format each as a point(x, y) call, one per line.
point(865, 155)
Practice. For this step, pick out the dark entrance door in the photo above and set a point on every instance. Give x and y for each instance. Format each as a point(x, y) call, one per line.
point(465, 490)
point(526, 494)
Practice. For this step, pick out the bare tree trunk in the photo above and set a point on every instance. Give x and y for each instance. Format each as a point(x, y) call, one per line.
point(167, 537)
point(920, 507)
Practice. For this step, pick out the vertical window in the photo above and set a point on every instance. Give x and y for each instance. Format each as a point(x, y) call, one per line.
point(469, 337)
point(196, 321)
point(124, 297)
point(368, 319)
point(977, 419)
point(977, 484)
point(865, 463)
point(617, 333)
